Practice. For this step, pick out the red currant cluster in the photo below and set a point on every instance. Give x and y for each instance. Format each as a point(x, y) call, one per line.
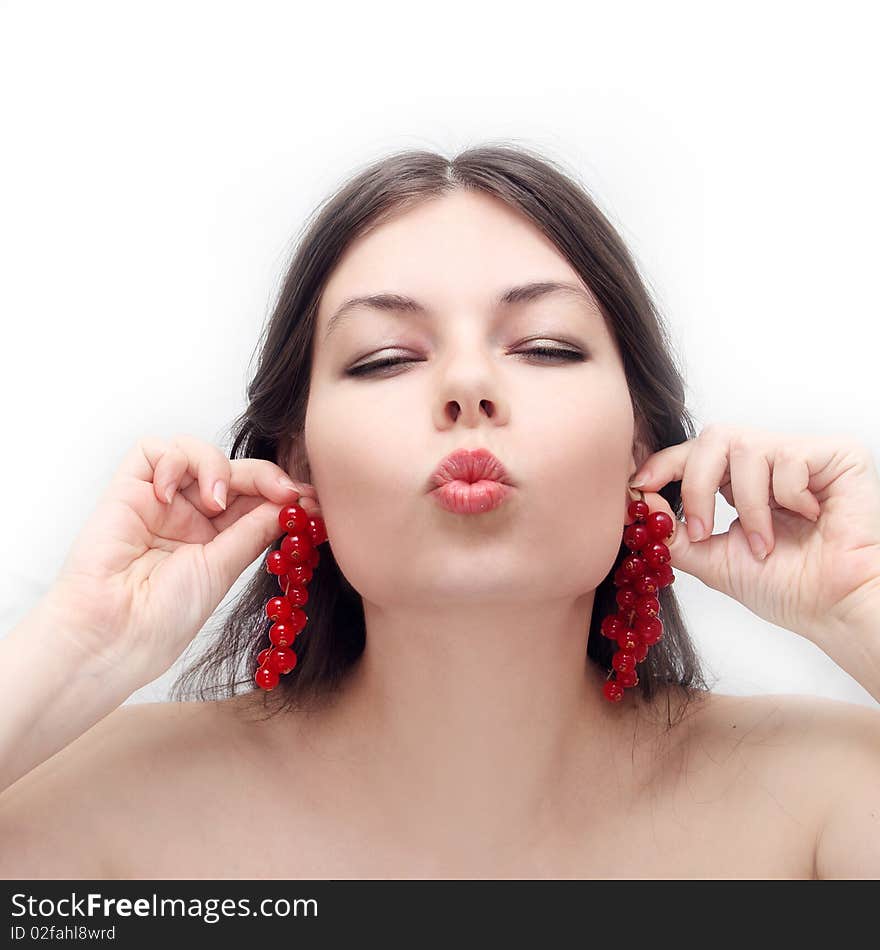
point(293, 564)
point(637, 625)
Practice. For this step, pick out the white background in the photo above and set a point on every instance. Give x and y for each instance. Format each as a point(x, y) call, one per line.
point(159, 158)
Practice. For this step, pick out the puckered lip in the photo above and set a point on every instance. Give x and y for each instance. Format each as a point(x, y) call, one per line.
point(469, 465)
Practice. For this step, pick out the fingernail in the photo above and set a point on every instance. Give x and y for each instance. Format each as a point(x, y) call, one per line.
point(220, 494)
point(695, 529)
point(169, 495)
point(757, 544)
point(288, 484)
point(640, 480)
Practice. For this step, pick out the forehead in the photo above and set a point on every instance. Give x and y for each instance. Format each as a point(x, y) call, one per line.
point(462, 247)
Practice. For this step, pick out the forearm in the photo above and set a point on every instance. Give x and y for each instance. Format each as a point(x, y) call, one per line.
point(855, 647)
point(51, 693)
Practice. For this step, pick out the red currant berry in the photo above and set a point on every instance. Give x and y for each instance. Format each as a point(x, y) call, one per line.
point(291, 582)
point(298, 548)
point(278, 563)
point(619, 578)
point(646, 584)
point(266, 678)
point(659, 525)
point(282, 634)
point(649, 629)
point(626, 597)
point(293, 519)
point(664, 575)
point(656, 553)
point(297, 595)
point(611, 627)
point(298, 619)
point(628, 678)
point(261, 657)
point(635, 536)
point(623, 661)
point(638, 510)
point(301, 574)
point(315, 559)
point(641, 651)
point(279, 608)
point(283, 660)
point(628, 640)
point(613, 691)
point(647, 607)
point(632, 566)
point(317, 530)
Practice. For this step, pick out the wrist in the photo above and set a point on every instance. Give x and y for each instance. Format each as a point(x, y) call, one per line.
point(53, 691)
point(51, 630)
point(852, 640)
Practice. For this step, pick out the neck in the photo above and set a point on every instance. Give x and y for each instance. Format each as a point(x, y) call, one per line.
point(478, 726)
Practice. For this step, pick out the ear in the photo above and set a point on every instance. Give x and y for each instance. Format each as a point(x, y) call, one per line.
point(641, 450)
point(293, 459)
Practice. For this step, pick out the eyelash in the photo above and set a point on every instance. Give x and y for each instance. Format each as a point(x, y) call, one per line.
point(542, 352)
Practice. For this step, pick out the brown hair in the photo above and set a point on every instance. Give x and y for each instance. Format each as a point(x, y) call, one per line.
point(273, 422)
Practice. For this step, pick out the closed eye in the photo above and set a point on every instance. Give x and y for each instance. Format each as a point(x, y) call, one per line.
point(541, 353)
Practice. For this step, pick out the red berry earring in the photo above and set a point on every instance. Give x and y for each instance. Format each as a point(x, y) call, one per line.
point(293, 564)
point(637, 626)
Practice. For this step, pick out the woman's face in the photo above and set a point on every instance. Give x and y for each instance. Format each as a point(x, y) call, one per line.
point(562, 428)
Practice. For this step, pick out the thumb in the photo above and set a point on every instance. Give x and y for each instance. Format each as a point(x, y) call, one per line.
point(705, 559)
point(240, 544)
point(702, 559)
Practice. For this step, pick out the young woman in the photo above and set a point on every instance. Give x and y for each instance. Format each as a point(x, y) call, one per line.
point(452, 711)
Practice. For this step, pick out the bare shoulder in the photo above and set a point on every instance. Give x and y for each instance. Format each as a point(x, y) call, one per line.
point(78, 813)
point(805, 724)
point(838, 760)
point(804, 750)
point(59, 820)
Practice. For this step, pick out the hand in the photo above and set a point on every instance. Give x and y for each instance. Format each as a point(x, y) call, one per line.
point(814, 504)
point(145, 574)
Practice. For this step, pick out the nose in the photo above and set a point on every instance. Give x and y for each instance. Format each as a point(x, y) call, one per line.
point(469, 394)
point(469, 411)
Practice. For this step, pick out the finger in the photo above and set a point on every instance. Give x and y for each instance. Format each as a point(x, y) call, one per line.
point(310, 505)
point(210, 481)
point(166, 465)
point(165, 468)
point(168, 469)
point(206, 527)
point(193, 461)
point(242, 541)
point(140, 461)
point(238, 508)
point(262, 477)
point(256, 478)
point(791, 476)
point(750, 480)
point(666, 465)
point(704, 471)
point(705, 560)
point(727, 494)
point(169, 465)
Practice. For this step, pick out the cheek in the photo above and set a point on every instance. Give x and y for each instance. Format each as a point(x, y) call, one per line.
point(583, 437)
point(365, 471)
point(357, 454)
point(581, 471)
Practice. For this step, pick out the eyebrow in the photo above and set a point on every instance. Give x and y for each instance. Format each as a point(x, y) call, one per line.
point(397, 303)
